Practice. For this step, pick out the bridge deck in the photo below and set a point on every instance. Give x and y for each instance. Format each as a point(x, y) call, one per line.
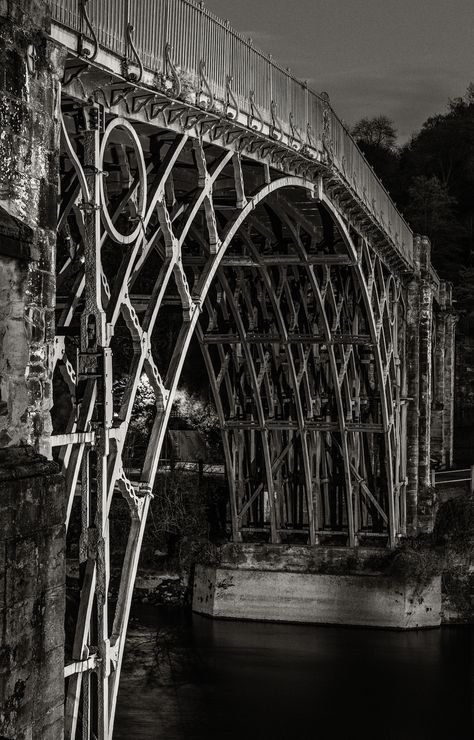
point(179, 47)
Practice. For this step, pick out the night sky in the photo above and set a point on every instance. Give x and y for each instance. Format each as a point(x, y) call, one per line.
point(402, 58)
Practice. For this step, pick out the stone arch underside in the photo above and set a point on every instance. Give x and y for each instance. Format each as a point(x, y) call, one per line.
point(300, 324)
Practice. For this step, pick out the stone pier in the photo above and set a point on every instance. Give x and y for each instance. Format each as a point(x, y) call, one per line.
point(443, 382)
point(32, 596)
point(32, 537)
point(430, 386)
point(316, 586)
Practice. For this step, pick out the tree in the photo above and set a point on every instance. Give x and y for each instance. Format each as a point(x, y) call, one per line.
point(436, 185)
point(376, 137)
point(464, 101)
point(444, 148)
point(430, 205)
point(379, 132)
point(431, 211)
point(195, 412)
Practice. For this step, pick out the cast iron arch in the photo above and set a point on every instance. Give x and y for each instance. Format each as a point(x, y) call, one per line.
point(312, 289)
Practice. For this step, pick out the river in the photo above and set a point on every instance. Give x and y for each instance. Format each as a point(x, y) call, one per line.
point(186, 677)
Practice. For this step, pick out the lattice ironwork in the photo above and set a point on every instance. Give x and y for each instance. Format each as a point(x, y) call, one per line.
point(300, 323)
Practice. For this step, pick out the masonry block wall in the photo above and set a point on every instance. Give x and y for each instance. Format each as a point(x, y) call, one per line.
point(431, 323)
point(32, 579)
point(32, 583)
point(29, 152)
point(442, 414)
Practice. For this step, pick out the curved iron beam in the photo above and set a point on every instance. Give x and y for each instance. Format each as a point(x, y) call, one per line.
point(340, 407)
point(386, 416)
point(299, 409)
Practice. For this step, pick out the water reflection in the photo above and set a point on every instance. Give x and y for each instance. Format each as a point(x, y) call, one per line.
point(191, 678)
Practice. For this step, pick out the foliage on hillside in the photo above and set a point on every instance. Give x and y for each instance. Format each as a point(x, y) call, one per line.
point(431, 178)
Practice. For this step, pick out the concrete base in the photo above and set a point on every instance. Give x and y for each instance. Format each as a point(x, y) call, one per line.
point(276, 596)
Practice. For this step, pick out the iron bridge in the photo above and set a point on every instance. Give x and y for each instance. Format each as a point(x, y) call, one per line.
point(205, 189)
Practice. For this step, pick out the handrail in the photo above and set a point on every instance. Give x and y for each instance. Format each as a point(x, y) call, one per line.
point(197, 37)
point(436, 479)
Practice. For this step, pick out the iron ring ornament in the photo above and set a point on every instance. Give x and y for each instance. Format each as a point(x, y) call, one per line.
point(106, 217)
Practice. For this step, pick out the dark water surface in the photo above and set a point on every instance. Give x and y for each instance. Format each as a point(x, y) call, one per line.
point(191, 678)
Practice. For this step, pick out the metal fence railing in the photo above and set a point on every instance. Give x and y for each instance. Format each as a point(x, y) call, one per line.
point(448, 477)
point(200, 41)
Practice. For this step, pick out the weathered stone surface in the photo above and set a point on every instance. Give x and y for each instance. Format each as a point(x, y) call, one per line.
point(425, 511)
point(32, 596)
point(370, 601)
point(443, 388)
point(413, 392)
point(430, 388)
point(300, 558)
point(30, 70)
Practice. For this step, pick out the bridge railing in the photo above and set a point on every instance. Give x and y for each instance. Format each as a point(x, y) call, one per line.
point(281, 101)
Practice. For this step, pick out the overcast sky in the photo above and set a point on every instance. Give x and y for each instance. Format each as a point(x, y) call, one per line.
point(403, 58)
